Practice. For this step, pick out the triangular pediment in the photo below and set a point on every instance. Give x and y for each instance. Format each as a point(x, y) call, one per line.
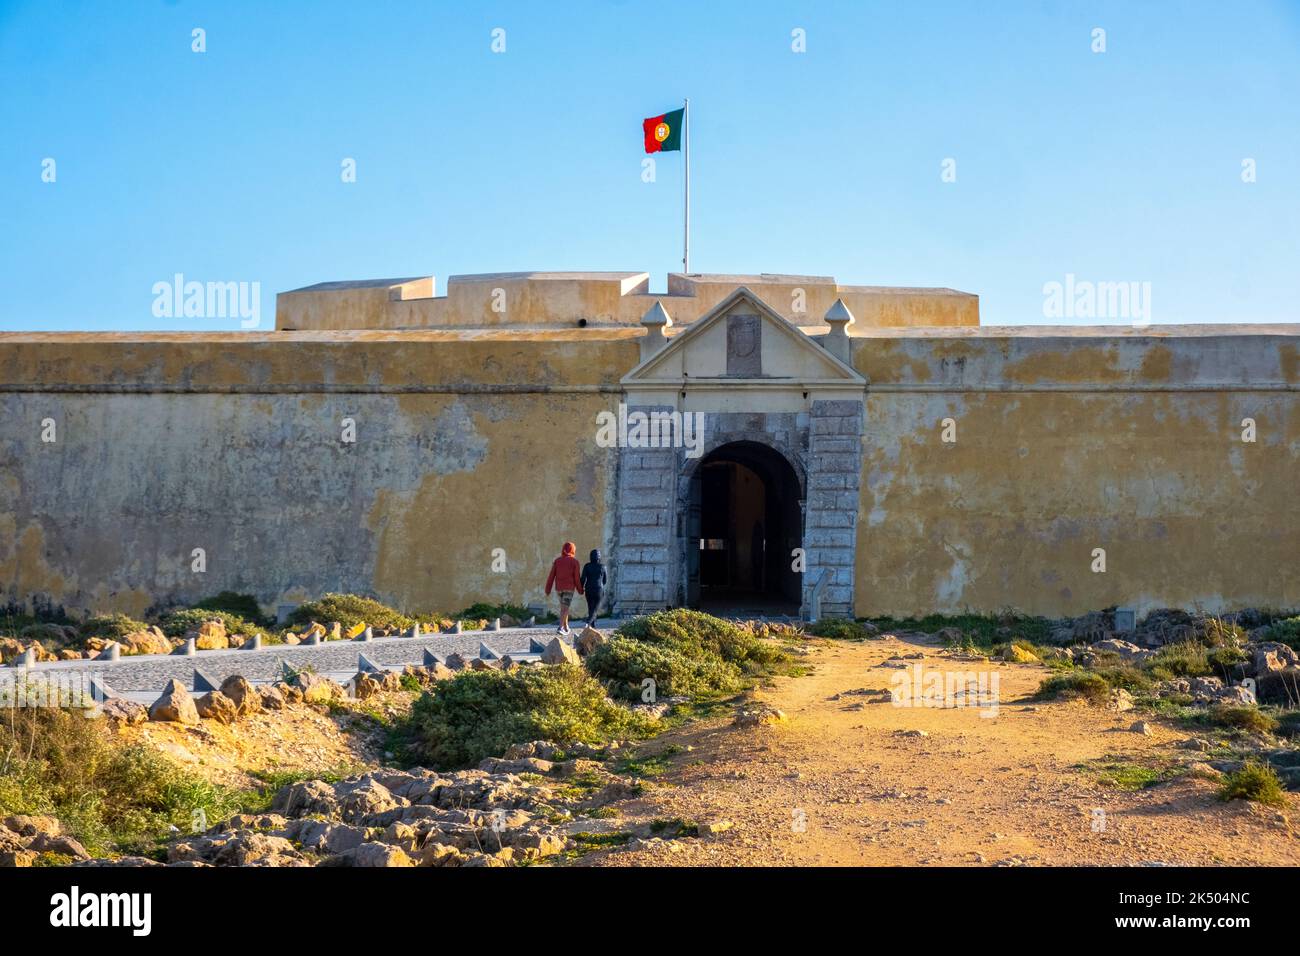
point(742, 339)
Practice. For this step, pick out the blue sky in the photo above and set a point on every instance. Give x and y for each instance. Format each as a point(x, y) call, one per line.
point(225, 166)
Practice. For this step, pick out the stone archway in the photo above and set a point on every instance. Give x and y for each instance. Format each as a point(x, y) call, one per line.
point(740, 521)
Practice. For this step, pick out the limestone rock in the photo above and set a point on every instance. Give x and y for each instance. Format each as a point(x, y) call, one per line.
point(309, 796)
point(589, 640)
point(1019, 655)
point(1270, 656)
point(174, 705)
point(377, 854)
point(120, 710)
point(246, 698)
point(1125, 649)
point(149, 641)
point(1120, 701)
point(559, 652)
point(759, 715)
point(291, 693)
point(714, 829)
point(215, 705)
point(59, 843)
point(318, 690)
point(33, 826)
point(210, 636)
point(258, 849)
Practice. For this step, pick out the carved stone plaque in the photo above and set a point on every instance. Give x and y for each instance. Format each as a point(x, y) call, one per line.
point(744, 346)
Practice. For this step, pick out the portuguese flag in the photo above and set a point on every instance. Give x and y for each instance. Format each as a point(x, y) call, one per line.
point(663, 133)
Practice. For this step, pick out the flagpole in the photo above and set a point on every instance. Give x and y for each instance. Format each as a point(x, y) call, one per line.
point(686, 160)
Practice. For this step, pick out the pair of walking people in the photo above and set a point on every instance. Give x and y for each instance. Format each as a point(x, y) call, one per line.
point(567, 577)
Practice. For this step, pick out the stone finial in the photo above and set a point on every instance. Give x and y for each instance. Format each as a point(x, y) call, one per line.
point(656, 320)
point(839, 318)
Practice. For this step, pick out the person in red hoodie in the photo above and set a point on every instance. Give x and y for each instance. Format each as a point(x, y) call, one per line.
point(566, 578)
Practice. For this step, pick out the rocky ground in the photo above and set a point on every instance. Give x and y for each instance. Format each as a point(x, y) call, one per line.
point(826, 768)
point(847, 778)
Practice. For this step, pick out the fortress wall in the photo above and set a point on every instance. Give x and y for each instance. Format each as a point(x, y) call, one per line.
point(1068, 442)
point(232, 444)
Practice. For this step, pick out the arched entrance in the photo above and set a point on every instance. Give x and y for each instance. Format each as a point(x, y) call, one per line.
point(742, 523)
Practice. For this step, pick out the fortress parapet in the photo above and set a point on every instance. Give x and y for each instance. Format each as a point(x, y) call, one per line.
point(571, 299)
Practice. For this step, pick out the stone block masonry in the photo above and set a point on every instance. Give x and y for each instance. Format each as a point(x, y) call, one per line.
point(642, 548)
point(830, 528)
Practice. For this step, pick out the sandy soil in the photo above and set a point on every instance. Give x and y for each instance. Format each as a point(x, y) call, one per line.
point(840, 783)
point(298, 738)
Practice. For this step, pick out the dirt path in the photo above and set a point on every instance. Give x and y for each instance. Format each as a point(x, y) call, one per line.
point(975, 790)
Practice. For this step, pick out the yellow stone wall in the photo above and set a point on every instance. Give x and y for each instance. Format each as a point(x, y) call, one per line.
point(475, 439)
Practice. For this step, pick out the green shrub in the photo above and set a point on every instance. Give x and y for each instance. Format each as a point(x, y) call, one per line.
point(695, 634)
point(110, 797)
point(1288, 723)
point(1123, 676)
point(1183, 659)
point(981, 630)
point(1254, 781)
point(1075, 684)
point(840, 629)
point(350, 610)
point(1241, 717)
point(481, 610)
point(180, 622)
point(624, 663)
point(240, 605)
point(478, 714)
point(113, 626)
point(1285, 631)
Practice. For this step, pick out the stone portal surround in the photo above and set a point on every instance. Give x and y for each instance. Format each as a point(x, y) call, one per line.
point(823, 445)
point(643, 532)
point(834, 495)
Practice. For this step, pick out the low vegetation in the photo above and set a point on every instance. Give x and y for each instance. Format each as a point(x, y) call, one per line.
point(243, 606)
point(478, 714)
point(840, 629)
point(180, 622)
point(110, 797)
point(686, 654)
point(112, 626)
point(349, 610)
point(1254, 781)
point(978, 630)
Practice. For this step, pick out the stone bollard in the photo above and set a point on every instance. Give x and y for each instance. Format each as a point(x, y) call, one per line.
point(457, 628)
point(191, 646)
point(312, 639)
point(254, 643)
point(531, 622)
point(415, 629)
point(28, 658)
point(494, 624)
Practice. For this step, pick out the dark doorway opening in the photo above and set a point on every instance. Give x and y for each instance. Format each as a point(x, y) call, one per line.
point(743, 524)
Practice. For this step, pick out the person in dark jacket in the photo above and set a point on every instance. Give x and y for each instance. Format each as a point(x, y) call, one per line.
point(594, 579)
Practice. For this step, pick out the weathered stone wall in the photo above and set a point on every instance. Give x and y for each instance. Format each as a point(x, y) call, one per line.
point(164, 446)
point(1070, 441)
point(1067, 441)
